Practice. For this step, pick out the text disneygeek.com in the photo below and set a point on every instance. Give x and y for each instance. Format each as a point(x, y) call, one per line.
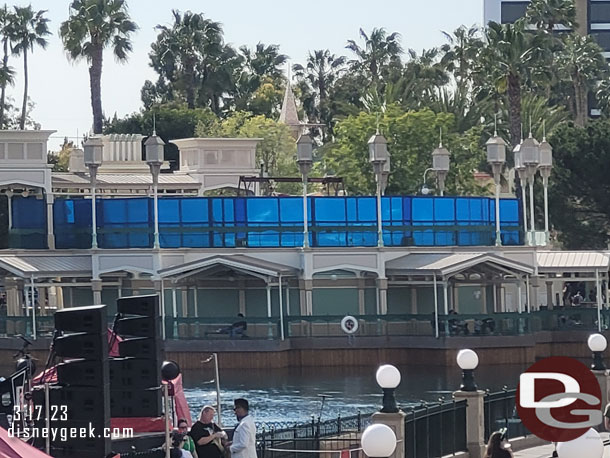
point(64, 434)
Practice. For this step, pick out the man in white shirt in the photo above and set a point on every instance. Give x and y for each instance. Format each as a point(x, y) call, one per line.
point(244, 437)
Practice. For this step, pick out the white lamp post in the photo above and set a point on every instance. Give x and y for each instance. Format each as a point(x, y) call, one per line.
point(305, 162)
point(440, 165)
point(468, 361)
point(496, 157)
point(385, 174)
point(388, 378)
point(520, 169)
point(588, 445)
point(530, 158)
point(378, 156)
point(154, 158)
point(93, 150)
point(597, 344)
point(378, 441)
point(545, 167)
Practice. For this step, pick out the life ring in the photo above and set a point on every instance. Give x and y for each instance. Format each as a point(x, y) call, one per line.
point(349, 324)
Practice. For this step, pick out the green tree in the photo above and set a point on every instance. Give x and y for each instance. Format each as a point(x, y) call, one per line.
point(412, 136)
point(581, 64)
point(316, 80)
point(579, 186)
point(510, 56)
point(461, 53)
point(259, 86)
point(92, 26)
point(546, 14)
point(61, 158)
point(7, 74)
point(30, 29)
point(379, 58)
point(183, 53)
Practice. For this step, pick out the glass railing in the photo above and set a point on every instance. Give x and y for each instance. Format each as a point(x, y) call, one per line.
point(320, 326)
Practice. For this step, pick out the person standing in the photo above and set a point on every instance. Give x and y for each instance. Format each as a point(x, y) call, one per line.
point(189, 444)
point(207, 435)
point(244, 437)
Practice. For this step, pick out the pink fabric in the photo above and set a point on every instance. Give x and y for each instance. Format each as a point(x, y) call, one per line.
point(11, 447)
point(182, 407)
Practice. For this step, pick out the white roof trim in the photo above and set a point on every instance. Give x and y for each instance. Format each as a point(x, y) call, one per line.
point(572, 261)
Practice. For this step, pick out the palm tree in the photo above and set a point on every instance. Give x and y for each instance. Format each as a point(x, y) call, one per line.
point(7, 22)
point(461, 52)
point(379, 55)
point(546, 14)
point(187, 51)
point(92, 26)
point(317, 78)
point(581, 63)
point(30, 29)
point(509, 58)
point(264, 60)
point(423, 78)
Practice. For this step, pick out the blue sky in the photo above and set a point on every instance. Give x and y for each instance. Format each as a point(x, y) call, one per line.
point(60, 89)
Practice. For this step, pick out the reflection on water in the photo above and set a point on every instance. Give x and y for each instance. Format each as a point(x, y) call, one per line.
point(295, 394)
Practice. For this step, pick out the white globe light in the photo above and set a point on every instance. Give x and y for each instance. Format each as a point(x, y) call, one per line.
point(590, 444)
point(387, 376)
point(597, 342)
point(467, 360)
point(378, 441)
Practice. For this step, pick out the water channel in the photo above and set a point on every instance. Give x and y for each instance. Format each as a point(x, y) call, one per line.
point(294, 395)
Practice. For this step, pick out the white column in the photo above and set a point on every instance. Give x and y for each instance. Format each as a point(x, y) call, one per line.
point(545, 182)
point(435, 307)
point(305, 216)
point(196, 302)
point(599, 301)
point(163, 312)
point(446, 297)
point(50, 233)
point(281, 307)
point(270, 326)
point(9, 195)
point(527, 294)
point(520, 302)
point(287, 299)
point(174, 307)
point(379, 221)
point(532, 223)
point(33, 303)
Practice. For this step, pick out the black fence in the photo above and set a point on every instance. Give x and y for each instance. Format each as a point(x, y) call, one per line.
point(433, 430)
point(336, 438)
point(501, 412)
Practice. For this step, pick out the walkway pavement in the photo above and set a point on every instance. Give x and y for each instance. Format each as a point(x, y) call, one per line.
point(546, 451)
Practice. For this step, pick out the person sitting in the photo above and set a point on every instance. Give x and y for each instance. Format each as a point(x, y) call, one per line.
point(237, 329)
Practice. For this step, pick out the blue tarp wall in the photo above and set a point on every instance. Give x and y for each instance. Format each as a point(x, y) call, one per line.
point(278, 221)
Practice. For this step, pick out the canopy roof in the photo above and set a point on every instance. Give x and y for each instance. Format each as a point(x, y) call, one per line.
point(449, 264)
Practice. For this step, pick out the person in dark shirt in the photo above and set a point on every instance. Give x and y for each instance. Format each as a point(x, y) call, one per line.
point(207, 435)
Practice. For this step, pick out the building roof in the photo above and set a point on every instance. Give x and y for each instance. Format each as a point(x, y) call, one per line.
point(289, 114)
point(572, 261)
point(246, 264)
point(451, 263)
point(71, 179)
point(45, 266)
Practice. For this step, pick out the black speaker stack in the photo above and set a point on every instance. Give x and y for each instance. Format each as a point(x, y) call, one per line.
point(135, 376)
point(80, 399)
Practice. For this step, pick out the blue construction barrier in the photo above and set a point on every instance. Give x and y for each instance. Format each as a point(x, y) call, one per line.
point(226, 222)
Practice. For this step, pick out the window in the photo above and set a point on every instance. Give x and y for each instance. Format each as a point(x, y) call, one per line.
point(603, 38)
point(511, 11)
point(599, 12)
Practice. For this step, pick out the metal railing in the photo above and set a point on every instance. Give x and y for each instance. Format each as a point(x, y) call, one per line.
point(311, 440)
point(395, 325)
point(435, 429)
point(501, 412)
